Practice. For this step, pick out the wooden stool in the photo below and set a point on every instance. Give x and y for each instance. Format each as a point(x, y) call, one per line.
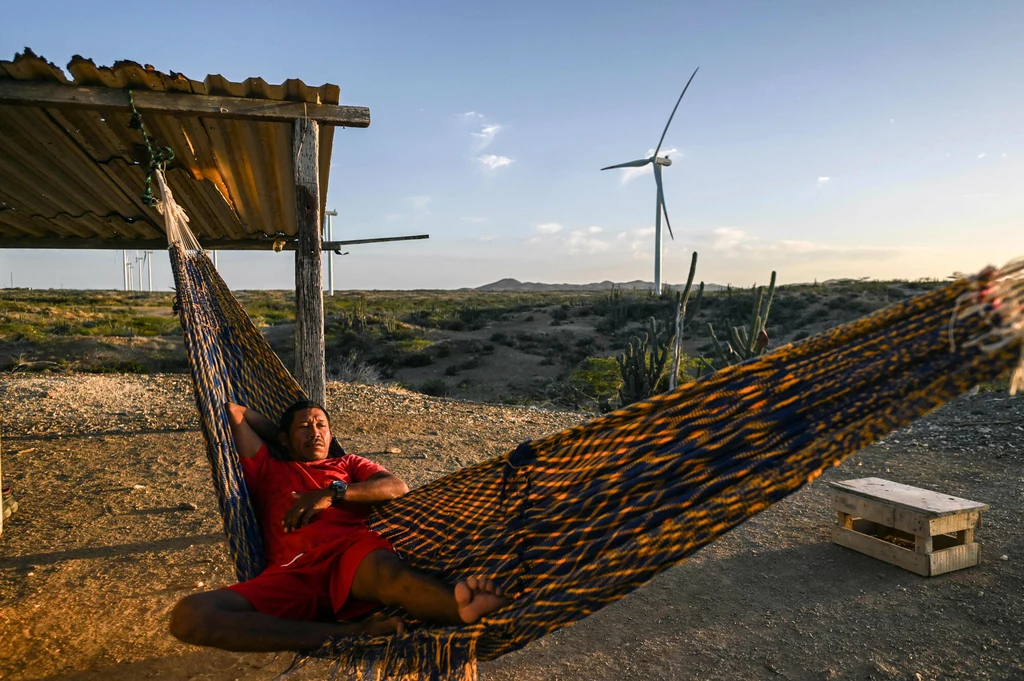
point(925, 532)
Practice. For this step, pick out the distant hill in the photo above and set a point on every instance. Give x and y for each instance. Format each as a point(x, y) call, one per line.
point(516, 285)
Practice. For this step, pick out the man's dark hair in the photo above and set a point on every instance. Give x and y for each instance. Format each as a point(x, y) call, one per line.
point(288, 417)
point(285, 426)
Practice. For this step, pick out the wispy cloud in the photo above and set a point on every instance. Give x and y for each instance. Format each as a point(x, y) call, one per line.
point(474, 219)
point(420, 205)
point(982, 155)
point(486, 135)
point(638, 242)
point(823, 180)
point(482, 138)
point(580, 241)
point(731, 242)
point(493, 161)
point(488, 237)
point(550, 235)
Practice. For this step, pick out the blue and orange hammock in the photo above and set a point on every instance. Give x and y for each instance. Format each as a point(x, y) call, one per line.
point(574, 521)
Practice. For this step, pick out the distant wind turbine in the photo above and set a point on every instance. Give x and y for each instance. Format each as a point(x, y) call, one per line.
point(658, 162)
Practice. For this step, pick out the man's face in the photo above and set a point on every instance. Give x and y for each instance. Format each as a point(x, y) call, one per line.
point(309, 437)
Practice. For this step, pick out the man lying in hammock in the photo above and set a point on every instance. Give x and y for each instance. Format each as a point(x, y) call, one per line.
point(325, 564)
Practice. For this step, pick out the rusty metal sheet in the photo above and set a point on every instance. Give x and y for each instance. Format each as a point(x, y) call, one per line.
point(80, 173)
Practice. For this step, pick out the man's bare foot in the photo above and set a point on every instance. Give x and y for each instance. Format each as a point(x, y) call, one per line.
point(476, 597)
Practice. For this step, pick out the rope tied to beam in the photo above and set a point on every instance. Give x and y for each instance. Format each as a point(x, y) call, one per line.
point(159, 156)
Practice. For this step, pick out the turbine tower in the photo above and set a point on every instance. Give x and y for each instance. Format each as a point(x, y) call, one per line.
point(660, 209)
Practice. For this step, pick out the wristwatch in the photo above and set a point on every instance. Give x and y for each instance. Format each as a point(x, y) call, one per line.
point(338, 489)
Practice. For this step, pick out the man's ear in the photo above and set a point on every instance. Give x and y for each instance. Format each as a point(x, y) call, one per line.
point(282, 438)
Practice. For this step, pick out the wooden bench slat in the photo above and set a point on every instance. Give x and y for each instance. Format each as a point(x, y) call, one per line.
point(927, 502)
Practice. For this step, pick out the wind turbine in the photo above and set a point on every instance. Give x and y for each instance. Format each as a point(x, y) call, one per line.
point(658, 162)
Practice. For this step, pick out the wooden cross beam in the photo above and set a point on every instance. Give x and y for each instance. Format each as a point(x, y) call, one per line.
point(269, 244)
point(57, 95)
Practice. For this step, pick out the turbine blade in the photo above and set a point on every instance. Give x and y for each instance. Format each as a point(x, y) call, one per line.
point(661, 200)
point(630, 164)
point(665, 132)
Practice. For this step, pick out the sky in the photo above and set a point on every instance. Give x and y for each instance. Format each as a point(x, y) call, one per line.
point(819, 139)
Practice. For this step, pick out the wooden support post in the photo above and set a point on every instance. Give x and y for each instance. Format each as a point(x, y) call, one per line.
point(309, 302)
point(845, 520)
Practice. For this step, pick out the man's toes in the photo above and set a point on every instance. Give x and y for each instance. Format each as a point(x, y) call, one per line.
point(463, 594)
point(473, 583)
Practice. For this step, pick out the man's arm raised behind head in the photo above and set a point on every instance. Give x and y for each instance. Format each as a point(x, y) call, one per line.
point(247, 429)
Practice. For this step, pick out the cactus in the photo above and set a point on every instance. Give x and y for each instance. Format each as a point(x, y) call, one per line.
point(751, 341)
point(683, 319)
point(642, 365)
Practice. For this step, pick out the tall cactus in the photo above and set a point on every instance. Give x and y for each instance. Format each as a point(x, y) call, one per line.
point(683, 319)
point(642, 365)
point(751, 341)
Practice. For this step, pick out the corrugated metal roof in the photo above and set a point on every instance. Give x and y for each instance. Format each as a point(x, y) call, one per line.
point(77, 172)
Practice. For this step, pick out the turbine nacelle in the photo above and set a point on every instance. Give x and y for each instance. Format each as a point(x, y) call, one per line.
point(663, 161)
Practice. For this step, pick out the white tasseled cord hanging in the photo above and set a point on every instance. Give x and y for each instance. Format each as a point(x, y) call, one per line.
point(175, 219)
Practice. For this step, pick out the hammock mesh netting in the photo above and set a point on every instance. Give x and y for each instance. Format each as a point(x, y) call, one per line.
point(574, 521)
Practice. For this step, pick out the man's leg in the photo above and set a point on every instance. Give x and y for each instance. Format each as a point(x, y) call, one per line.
point(383, 577)
point(225, 619)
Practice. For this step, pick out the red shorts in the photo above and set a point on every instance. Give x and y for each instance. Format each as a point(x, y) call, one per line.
point(315, 585)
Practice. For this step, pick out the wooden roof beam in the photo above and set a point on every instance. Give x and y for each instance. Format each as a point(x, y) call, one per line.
point(57, 95)
point(160, 244)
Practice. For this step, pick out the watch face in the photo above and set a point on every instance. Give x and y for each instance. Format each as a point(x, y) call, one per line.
point(338, 488)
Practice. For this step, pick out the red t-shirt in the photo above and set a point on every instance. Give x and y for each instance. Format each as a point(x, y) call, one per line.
point(271, 482)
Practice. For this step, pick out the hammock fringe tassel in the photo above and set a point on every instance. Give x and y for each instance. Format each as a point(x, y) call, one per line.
point(418, 656)
point(569, 523)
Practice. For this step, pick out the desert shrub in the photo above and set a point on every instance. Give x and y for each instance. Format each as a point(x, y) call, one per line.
point(130, 366)
point(500, 337)
point(351, 370)
point(444, 350)
point(470, 364)
point(560, 313)
point(452, 325)
point(596, 377)
point(452, 370)
point(154, 326)
point(419, 359)
point(435, 387)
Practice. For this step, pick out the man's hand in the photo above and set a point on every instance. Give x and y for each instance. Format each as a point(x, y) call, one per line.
point(236, 413)
point(305, 507)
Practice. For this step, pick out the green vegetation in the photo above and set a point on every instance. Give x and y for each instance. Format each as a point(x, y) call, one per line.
point(547, 348)
point(750, 341)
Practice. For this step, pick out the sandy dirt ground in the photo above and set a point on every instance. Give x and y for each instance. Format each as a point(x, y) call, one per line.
point(117, 521)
